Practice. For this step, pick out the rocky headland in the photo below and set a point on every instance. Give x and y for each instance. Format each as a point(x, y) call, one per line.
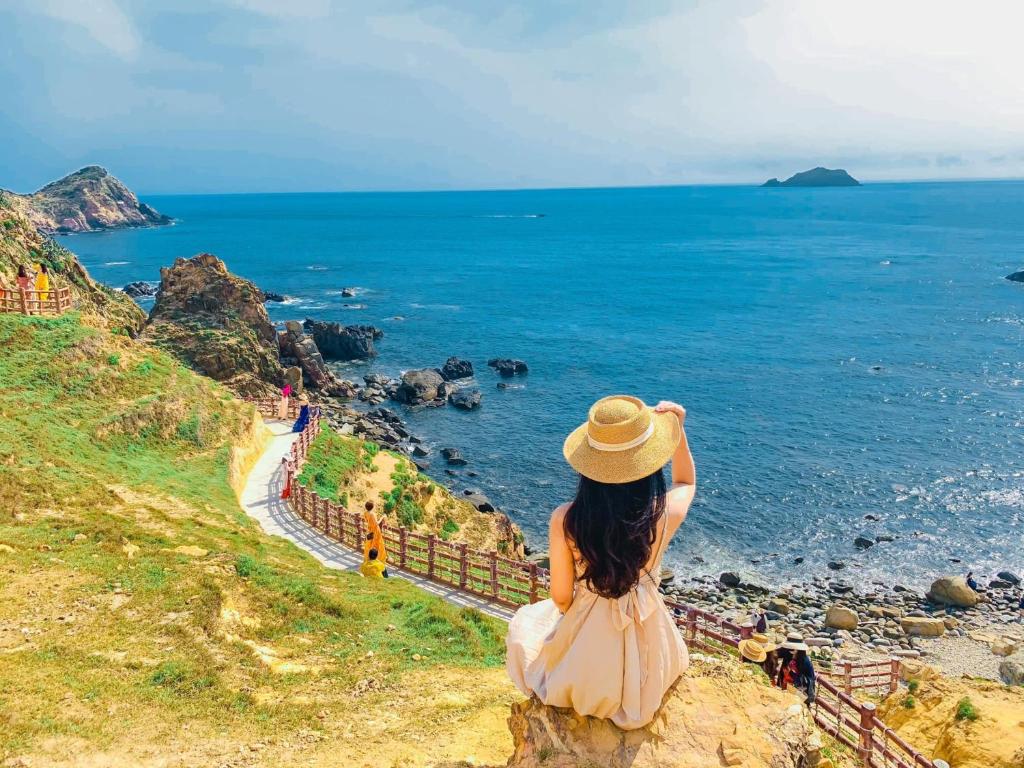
point(87, 200)
point(816, 177)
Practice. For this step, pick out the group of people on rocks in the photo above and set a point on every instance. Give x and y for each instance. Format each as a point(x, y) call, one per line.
point(786, 664)
point(24, 282)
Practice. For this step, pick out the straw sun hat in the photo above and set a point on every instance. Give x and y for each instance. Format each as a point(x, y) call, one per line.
point(753, 650)
point(795, 642)
point(623, 440)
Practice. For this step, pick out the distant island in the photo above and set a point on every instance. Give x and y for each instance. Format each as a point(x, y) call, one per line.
point(88, 200)
point(816, 177)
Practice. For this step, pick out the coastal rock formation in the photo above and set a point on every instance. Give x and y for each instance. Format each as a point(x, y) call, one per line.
point(21, 244)
point(839, 617)
point(816, 177)
point(216, 323)
point(86, 201)
point(139, 289)
point(454, 457)
point(921, 626)
point(1012, 671)
point(507, 366)
point(425, 386)
point(715, 715)
point(1016, 277)
point(455, 368)
point(295, 343)
point(953, 590)
point(343, 342)
point(270, 296)
point(465, 399)
point(934, 725)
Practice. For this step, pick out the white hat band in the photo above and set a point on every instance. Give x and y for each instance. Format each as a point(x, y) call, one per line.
point(599, 446)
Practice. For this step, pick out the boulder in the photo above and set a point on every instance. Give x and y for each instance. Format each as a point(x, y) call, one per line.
point(836, 565)
point(730, 579)
point(421, 386)
point(863, 542)
point(478, 500)
point(271, 296)
point(1004, 646)
point(703, 723)
point(454, 368)
point(507, 366)
point(139, 289)
point(293, 377)
point(454, 457)
point(465, 399)
point(1009, 576)
point(839, 617)
point(953, 590)
point(919, 626)
point(343, 342)
point(1016, 277)
point(348, 293)
point(1011, 671)
point(778, 605)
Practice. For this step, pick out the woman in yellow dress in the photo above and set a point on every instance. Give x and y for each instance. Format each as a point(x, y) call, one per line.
point(374, 536)
point(42, 285)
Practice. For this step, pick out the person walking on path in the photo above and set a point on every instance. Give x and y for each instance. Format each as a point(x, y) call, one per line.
point(43, 285)
point(604, 644)
point(374, 535)
point(372, 568)
point(282, 406)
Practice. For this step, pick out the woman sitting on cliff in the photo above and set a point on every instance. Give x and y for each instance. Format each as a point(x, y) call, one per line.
point(605, 644)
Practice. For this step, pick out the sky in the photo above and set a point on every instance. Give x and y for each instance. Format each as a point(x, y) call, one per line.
point(195, 96)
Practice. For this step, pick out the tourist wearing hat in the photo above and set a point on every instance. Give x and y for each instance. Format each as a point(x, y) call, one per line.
point(604, 644)
point(795, 666)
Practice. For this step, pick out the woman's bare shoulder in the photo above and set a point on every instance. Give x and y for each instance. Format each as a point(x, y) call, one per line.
point(558, 515)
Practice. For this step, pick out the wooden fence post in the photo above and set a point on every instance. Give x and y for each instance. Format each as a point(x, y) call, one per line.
point(691, 625)
point(430, 555)
point(360, 533)
point(894, 675)
point(463, 566)
point(746, 631)
point(848, 677)
point(867, 730)
point(402, 546)
point(533, 583)
point(494, 573)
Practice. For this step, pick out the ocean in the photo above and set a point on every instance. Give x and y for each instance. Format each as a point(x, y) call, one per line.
point(850, 358)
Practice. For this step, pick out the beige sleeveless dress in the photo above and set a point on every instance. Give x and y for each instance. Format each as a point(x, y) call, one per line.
point(613, 659)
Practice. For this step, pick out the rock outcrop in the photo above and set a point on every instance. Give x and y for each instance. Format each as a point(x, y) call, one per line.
point(465, 399)
point(425, 386)
point(507, 366)
point(343, 342)
point(22, 244)
point(455, 368)
point(88, 200)
point(295, 344)
point(932, 725)
point(717, 714)
point(1016, 277)
point(215, 322)
point(139, 289)
point(953, 590)
point(816, 177)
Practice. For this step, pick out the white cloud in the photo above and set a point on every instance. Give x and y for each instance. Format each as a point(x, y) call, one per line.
point(104, 20)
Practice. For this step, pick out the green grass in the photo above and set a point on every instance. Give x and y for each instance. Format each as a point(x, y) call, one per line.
point(105, 471)
point(965, 710)
point(332, 461)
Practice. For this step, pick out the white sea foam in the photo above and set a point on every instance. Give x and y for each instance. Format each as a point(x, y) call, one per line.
point(115, 263)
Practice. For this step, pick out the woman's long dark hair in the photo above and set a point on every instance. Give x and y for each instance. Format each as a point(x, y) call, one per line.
point(613, 527)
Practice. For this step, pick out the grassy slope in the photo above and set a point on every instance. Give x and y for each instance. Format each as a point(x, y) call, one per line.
point(147, 620)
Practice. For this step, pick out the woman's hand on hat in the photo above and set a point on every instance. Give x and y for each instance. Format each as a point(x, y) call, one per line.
point(667, 406)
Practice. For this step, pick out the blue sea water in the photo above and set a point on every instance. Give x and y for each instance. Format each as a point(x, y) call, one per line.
point(841, 352)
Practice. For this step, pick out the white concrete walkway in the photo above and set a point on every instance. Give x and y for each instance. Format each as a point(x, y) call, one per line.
point(261, 499)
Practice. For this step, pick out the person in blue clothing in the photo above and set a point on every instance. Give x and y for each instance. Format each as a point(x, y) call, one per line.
point(796, 667)
point(303, 420)
point(971, 582)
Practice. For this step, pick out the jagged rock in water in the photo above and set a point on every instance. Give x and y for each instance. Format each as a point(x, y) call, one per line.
point(86, 201)
point(465, 399)
point(294, 342)
point(343, 342)
point(425, 386)
point(478, 500)
point(1016, 277)
point(454, 457)
point(139, 289)
point(271, 296)
point(507, 366)
point(216, 323)
point(724, 719)
point(455, 368)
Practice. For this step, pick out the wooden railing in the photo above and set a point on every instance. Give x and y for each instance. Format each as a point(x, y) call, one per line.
point(514, 583)
point(29, 301)
point(268, 406)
